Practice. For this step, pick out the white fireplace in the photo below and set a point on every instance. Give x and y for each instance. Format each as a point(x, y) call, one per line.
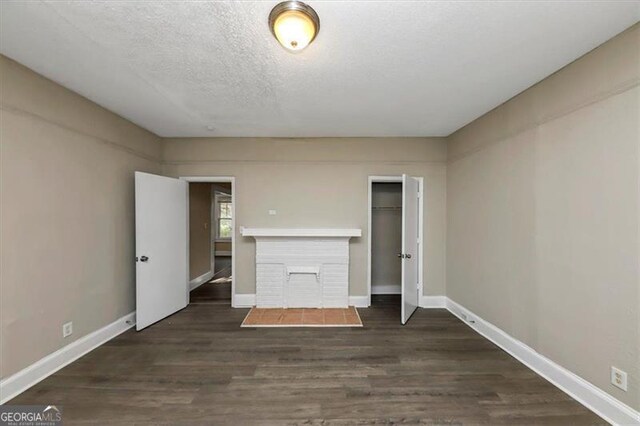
point(302, 268)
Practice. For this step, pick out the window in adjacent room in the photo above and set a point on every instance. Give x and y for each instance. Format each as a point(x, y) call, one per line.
point(223, 216)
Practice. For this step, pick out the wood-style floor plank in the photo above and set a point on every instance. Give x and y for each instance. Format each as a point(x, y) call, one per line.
point(199, 367)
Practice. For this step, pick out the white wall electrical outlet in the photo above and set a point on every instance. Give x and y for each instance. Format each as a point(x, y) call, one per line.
point(619, 378)
point(272, 212)
point(67, 329)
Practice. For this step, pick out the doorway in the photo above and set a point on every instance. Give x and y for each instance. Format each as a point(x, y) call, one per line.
point(219, 287)
point(395, 249)
point(386, 243)
point(211, 239)
point(164, 278)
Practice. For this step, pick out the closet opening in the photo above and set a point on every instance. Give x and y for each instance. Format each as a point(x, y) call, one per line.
point(395, 243)
point(386, 243)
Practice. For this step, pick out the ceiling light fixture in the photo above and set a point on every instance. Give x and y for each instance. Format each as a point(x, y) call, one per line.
point(294, 24)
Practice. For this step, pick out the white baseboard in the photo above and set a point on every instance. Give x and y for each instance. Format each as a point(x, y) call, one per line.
point(431, 302)
point(359, 301)
point(244, 300)
point(19, 382)
point(197, 282)
point(249, 300)
point(592, 397)
point(386, 289)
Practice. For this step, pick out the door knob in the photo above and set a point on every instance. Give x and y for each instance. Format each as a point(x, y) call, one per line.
point(400, 255)
point(143, 258)
point(408, 256)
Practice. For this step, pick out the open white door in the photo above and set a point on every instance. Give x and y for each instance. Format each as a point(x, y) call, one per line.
point(409, 255)
point(162, 281)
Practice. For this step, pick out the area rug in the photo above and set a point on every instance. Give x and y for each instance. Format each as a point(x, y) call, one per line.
point(325, 317)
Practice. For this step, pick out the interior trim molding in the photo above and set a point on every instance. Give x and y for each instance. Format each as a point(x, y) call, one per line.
point(249, 301)
point(433, 302)
point(359, 301)
point(113, 144)
point(603, 95)
point(589, 395)
point(592, 397)
point(197, 282)
point(244, 300)
point(19, 382)
point(294, 162)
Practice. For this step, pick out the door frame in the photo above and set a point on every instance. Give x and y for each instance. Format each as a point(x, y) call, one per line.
point(396, 179)
point(221, 179)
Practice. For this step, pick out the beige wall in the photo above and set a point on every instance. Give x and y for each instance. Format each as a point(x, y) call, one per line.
point(223, 246)
point(67, 217)
point(543, 199)
point(538, 208)
point(199, 229)
point(318, 183)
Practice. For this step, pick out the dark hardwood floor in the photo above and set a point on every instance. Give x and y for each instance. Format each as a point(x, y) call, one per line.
point(212, 293)
point(200, 367)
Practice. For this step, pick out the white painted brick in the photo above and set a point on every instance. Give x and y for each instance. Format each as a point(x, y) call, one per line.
point(274, 289)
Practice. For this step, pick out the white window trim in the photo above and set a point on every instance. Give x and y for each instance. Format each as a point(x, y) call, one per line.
point(219, 197)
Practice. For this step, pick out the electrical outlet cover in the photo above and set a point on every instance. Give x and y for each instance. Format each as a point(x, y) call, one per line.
point(67, 329)
point(619, 378)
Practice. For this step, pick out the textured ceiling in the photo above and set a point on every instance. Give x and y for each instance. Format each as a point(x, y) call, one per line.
point(377, 68)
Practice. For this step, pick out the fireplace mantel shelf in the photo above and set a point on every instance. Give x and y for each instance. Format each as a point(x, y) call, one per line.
point(301, 232)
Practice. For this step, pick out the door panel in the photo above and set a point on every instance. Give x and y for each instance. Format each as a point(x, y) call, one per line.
point(410, 188)
point(162, 271)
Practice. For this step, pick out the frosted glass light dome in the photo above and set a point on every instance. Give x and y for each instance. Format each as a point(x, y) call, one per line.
point(294, 24)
